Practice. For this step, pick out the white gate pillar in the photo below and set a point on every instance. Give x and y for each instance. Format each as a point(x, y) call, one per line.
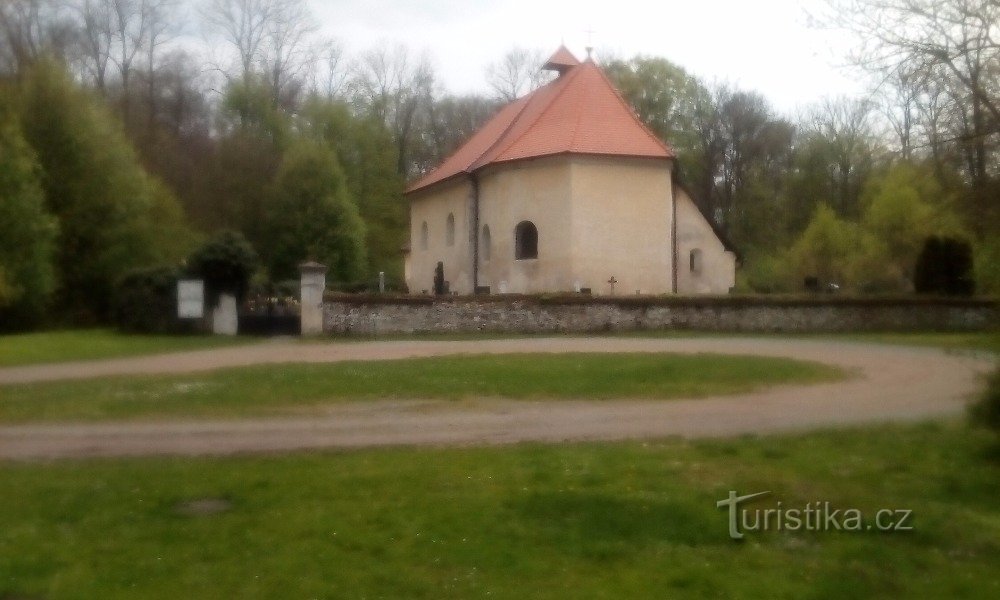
point(313, 284)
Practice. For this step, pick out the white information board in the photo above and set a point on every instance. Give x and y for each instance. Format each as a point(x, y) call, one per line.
point(190, 298)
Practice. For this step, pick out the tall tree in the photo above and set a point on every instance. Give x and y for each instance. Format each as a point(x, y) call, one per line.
point(312, 217)
point(518, 72)
point(395, 87)
point(27, 231)
point(955, 45)
point(364, 148)
point(112, 216)
point(30, 29)
point(271, 40)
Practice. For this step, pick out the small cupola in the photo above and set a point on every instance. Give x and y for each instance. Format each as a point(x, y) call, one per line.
point(560, 62)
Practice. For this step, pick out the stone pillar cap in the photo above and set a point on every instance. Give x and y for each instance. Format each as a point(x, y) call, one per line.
point(312, 267)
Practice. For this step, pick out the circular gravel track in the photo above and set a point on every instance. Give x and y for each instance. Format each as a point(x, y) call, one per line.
point(890, 383)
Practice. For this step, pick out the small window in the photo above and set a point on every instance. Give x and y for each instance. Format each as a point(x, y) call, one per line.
point(449, 235)
point(486, 244)
point(696, 261)
point(525, 241)
point(423, 236)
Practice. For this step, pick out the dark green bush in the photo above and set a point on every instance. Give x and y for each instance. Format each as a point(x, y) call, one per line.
point(226, 262)
point(944, 267)
point(145, 301)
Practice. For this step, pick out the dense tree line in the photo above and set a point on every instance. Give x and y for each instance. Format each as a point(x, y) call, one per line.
point(848, 191)
point(123, 146)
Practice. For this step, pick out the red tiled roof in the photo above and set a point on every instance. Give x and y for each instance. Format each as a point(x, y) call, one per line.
point(578, 113)
point(561, 61)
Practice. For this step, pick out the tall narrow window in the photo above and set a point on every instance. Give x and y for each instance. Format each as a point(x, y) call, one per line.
point(696, 261)
point(423, 236)
point(449, 232)
point(525, 241)
point(486, 243)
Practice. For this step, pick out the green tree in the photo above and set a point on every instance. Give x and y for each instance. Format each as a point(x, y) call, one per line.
point(826, 248)
point(107, 206)
point(256, 133)
point(365, 149)
point(311, 216)
point(27, 232)
point(901, 208)
point(681, 111)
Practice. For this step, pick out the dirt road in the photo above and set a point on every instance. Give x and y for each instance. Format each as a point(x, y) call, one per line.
point(892, 383)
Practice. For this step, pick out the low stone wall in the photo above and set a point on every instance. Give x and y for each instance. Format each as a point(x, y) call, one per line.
point(376, 315)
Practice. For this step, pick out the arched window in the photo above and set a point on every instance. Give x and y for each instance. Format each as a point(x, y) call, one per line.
point(423, 236)
point(486, 242)
point(525, 241)
point(696, 261)
point(449, 231)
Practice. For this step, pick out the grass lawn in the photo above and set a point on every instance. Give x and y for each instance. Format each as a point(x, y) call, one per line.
point(92, 344)
point(624, 520)
point(269, 389)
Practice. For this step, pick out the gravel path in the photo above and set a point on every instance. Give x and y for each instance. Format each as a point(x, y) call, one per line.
point(892, 383)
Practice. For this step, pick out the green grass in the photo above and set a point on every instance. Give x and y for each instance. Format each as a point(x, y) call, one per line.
point(271, 389)
point(93, 344)
point(625, 520)
point(958, 341)
point(986, 341)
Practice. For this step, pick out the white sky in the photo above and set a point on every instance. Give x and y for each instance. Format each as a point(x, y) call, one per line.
point(765, 45)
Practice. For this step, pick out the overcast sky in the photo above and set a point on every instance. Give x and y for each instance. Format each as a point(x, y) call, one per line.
point(766, 46)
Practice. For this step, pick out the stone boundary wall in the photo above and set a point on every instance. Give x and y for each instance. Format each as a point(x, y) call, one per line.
point(377, 315)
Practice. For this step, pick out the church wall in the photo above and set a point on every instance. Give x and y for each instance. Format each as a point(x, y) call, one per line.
point(621, 225)
point(714, 269)
point(537, 191)
point(433, 207)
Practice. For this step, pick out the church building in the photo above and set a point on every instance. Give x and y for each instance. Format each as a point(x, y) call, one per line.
point(563, 190)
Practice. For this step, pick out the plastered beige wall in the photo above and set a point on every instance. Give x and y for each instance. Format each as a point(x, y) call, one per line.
point(621, 225)
point(433, 207)
point(537, 191)
point(718, 266)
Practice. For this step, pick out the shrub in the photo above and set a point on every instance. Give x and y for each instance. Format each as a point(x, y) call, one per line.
point(226, 262)
point(145, 301)
point(944, 267)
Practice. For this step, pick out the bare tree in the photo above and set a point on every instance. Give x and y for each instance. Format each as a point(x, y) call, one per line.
point(96, 32)
point(956, 40)
point(287, 53)
point(244, 24)
point(161, 25)
point(30, 28)
point(271, 39)
point(394, 87)
point(848, 131)
point(899, 99)
point(517, 73)
point(331, 73)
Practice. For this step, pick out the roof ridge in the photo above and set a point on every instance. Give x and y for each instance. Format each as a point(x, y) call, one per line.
point(565, 79)
point(635, 117)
